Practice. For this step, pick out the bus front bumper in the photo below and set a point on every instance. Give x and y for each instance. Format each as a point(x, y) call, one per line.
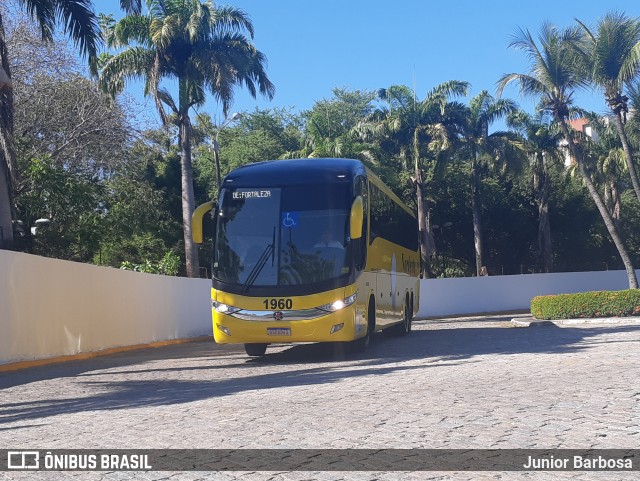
point(344, 325)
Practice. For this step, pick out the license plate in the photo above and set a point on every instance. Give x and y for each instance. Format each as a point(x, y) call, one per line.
point(278, 331)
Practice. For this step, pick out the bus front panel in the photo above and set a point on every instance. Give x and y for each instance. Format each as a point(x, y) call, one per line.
point(335, 315)
point(283, 265)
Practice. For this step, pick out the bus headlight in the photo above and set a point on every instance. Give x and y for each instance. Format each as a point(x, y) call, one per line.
point(223, 308)
point(339, 304)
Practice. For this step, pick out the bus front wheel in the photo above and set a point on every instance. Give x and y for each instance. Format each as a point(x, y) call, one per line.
point(361, 345)
point(255, 350)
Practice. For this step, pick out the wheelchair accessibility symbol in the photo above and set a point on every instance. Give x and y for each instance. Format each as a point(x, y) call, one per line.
point(290, 219)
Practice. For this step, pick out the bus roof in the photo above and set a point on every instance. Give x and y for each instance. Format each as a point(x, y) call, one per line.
point(273, 173)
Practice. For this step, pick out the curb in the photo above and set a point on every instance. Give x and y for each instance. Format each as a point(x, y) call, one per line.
point(19, 365)
point(532, 322)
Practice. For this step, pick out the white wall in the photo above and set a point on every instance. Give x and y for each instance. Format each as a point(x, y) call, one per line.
point(52, 308)
point(471, 295)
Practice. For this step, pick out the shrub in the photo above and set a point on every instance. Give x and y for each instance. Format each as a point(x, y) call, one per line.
point(168, 266)
point(587, 305)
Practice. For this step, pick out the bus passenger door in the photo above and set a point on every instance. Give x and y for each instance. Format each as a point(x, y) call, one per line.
point(384, 307)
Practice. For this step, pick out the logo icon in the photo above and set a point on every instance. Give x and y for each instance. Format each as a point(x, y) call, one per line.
point(278, 315)
point(23, 460)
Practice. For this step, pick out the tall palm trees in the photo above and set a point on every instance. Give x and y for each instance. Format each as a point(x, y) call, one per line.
point(553, 78)
point(425, 130)
point(79, 23)
point(608, 158)
point(204, 48)
point(611, 58)
point(541, 145)
point(482, 111)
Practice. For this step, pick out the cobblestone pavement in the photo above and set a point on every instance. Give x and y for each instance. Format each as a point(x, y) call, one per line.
point(472, 382)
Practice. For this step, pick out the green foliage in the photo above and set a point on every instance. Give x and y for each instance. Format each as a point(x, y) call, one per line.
point(329, 126)
point(116, 201)
point(579, 236)
point(451, 212)
point(135, 249)
point(257, 136)
point(167, 266)
point(587, 305)
point(204, 47)
point(73, 205)
point(331, 118)
point(450, 267)
point(512, 249)
point(143, 213)
point(631, 225)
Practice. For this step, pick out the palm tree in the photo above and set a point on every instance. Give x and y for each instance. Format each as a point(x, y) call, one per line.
point(553, 78)
point(541, 145)
point(80, 24)
point(482, 147)
point(204, 48)
point(607, 157)
point(330, 126)
point(611, 59)
point(421, 129)
point(132, 7)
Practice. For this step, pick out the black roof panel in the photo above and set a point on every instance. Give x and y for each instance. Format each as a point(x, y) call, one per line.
point(272, 173)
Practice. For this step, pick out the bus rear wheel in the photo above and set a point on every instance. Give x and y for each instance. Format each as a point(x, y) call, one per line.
point(255, 350)
point(404, 326)
point(408, 317)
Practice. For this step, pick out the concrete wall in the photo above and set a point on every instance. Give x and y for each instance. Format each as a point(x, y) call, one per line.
point(52, 308)
point(470, 295)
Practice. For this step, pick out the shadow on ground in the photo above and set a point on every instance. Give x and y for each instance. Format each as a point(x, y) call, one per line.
point(308, 364)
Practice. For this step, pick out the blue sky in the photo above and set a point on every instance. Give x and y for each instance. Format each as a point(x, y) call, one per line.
point(313, 46)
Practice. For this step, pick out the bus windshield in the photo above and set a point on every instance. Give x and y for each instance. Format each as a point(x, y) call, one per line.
point(282, 236)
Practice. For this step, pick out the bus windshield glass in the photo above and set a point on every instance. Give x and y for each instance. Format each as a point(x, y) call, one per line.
point(282, 236)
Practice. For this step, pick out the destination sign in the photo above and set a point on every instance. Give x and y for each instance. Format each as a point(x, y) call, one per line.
point(252, 194)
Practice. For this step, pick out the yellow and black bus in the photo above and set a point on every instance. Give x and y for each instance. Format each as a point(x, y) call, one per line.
point(310, 250)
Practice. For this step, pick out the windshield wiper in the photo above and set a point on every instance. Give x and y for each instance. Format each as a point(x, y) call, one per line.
point(269, 250)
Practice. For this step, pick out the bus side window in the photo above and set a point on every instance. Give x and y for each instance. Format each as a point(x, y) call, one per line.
point(380, 213)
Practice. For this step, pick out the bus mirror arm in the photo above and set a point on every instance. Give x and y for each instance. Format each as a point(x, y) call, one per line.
point(197, 220)
point(357, 218)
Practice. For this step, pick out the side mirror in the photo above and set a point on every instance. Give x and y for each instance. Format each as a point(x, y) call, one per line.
point(197, 219)
point(357, 218)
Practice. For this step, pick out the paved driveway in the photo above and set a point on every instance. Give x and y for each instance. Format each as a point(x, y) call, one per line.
point(469, 382)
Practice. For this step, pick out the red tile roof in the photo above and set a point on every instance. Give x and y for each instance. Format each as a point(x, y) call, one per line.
point(579, 124)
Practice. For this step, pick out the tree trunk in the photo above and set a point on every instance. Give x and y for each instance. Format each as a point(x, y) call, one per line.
point(424, 222)
point(627, 153)
point(477, 221)
point(616, 205)
point(188, 196)
point(604, 213)
point(612, 201)
point(541, 189)
point(423, 227)
point(6, 226)
point(8, 172)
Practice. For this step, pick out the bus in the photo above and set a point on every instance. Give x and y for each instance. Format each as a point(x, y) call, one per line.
point(309, 250)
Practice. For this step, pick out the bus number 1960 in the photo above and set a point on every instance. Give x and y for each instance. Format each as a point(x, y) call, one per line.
point(278, 304)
